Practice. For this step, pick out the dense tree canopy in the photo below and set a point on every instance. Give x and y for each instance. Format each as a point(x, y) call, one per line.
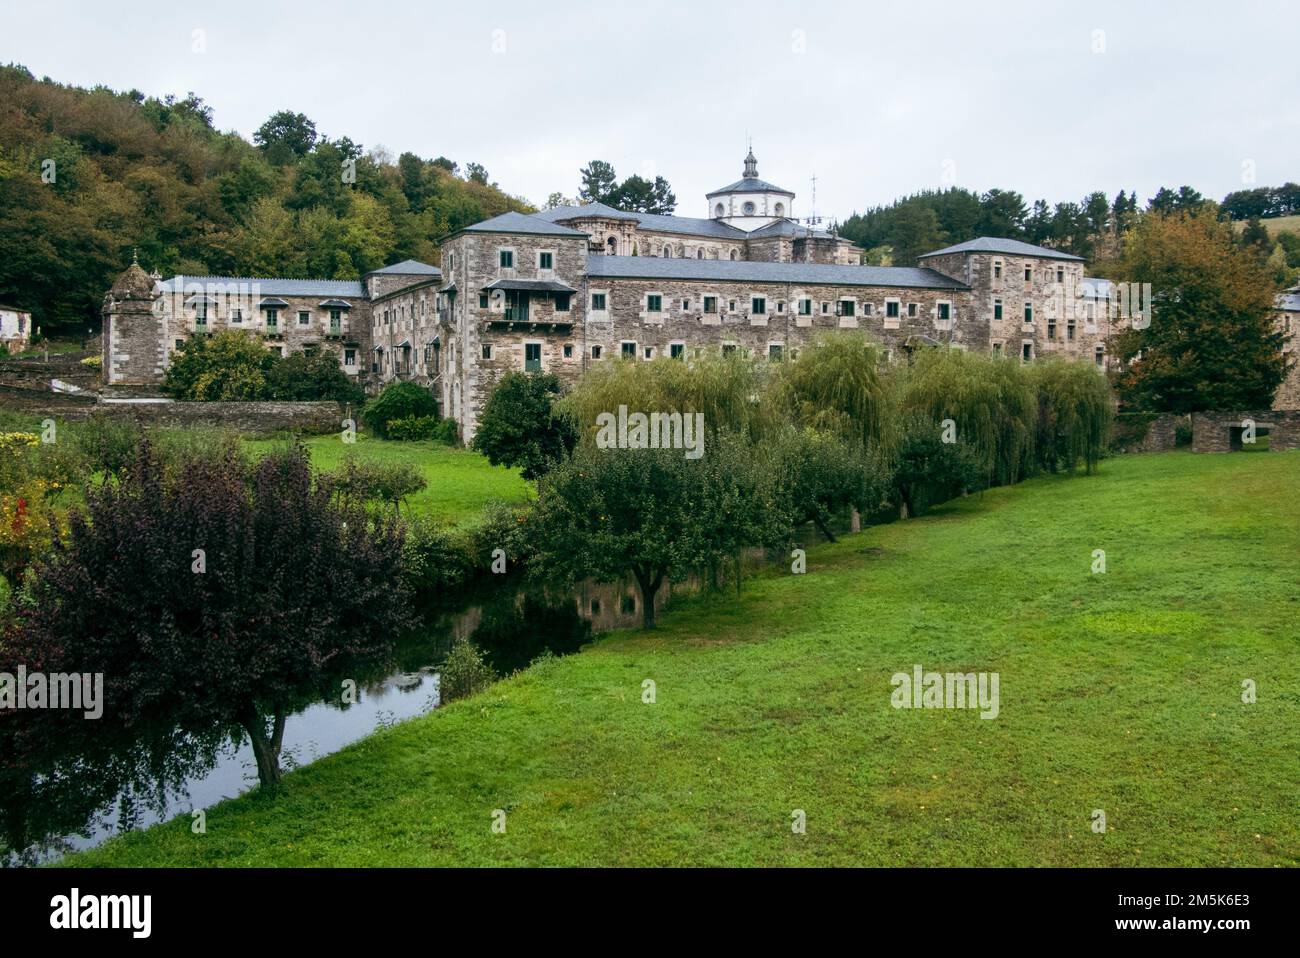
point(86, 176)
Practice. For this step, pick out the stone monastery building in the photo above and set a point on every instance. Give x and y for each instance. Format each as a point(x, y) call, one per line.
point(560, 290)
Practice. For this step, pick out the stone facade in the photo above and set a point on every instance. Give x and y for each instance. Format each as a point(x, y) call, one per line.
point(147, 318)
point(1288, 324)
point(1223, 431)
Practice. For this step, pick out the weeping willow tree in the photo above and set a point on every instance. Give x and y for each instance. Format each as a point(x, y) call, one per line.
point(1075, 410)
point(990, 400)
point(837, 384)
point(725, 388)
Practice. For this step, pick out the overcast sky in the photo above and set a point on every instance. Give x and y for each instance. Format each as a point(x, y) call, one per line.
point(876, 99)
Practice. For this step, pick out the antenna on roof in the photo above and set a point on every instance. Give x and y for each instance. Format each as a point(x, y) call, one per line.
point(813, 219)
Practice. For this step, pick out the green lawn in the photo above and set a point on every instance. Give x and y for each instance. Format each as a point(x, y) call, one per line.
point(1119, 691)
point(460, 482)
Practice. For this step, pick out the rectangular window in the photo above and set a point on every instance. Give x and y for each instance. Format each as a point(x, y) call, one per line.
point(676, 350)
point(945, 311)
point(236, 315)
point(568, 351)
point(201, 313)
point(532, 357)
point(649, 352)
point(272, 318)
point(826, 308)
point(774, 352)
point(997, 349)
point(629, 350)
point(997, 269)
point(1060, 275)
point(780, 306)
point(507, 258)
point(451, 261)
point(654, 303)
point(1029, 312)
point(710, 304)
point(1051, 329)
point(561, 302)
point(728, 349)
point(1069, 330)
point(997, 309)
point(758, 306)
point(911, 309)
point(545, 260)
point(598, 302)
point(482, 300)
point(731, 305)
point(487, 351)
point(1026, 351)
point(868, 309)
point(595, 352)
point(1029, 274)
point(805, 307)
point(891, 309)
point(848, 307)
point(349, 357)
point(304, 318)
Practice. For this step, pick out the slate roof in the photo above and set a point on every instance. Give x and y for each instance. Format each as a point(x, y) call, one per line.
point(522, 223)
point(409, 267)
point(1010, 247)
point(745, 271)
point(1289, 301)
point(267, 287)
point(788, 227)
point(561, 213)
point(750, 184)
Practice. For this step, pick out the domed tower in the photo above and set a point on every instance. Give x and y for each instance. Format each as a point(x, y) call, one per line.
point(134, 343)
point(750, 203)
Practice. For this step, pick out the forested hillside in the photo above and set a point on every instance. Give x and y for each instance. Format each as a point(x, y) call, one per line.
point(86, 176)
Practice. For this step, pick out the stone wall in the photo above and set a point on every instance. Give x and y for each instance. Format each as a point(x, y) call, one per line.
point(1221, 431)
point(249, 418)
point(1137, 432)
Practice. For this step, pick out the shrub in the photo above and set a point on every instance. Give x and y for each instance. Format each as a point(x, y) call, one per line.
point(358, 482)
point(463, 672)
point(499, 526)
point(927, 470)
point(28, 526)
point(94, 362)
point(108, 444)
point(402, 400)
point(820, 475)
point(1075, 411)
point(521, 427)
point(225, 366)
point(416, 428)
point(304, 377)
point(435, 558)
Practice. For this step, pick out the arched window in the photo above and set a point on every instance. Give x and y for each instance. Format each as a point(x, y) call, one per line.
point(668, 252)
point(719, 210)
point(780, 209)
point(612, 243)
point(699, 253)
point(749, 209)
point(734, 254)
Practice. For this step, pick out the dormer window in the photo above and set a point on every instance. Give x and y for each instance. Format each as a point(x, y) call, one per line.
point(719, 210)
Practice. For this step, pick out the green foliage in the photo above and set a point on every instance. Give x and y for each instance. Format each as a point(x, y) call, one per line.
point(463, 672)
point(137, 172)
point(927, 470)
point(400, 400)
point(1211, 342)
point(225, 366)
point(436, 558)
point(820, 475)
point(416, 428)
point(520, 426)
point(990, 400)
point(837, 383)
point(635, 194)
point(1075, 411)
point(303, 376)
point(392, 483)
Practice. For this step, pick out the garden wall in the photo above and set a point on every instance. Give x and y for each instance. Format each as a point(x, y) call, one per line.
point(1141, 432)
point(255, 418)
point(1221, 431)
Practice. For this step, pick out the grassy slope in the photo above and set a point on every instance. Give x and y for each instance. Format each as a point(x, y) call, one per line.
point(1275, 225)
point(460, 482)
point(1118, 691)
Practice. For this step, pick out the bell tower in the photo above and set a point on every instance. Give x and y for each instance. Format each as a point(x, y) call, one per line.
point(134, 343)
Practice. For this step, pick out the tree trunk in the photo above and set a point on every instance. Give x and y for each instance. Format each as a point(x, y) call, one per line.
point(821, 525)
point(649, 589)
point(265, 750)
point(855, 521)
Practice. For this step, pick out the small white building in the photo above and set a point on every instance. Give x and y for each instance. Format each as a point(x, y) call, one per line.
point(15, 328)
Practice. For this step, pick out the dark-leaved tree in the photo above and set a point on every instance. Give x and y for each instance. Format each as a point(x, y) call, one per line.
point(211, 594)
point(519, 425)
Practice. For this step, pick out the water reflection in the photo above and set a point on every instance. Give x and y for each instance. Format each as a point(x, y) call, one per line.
point(77, 801)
